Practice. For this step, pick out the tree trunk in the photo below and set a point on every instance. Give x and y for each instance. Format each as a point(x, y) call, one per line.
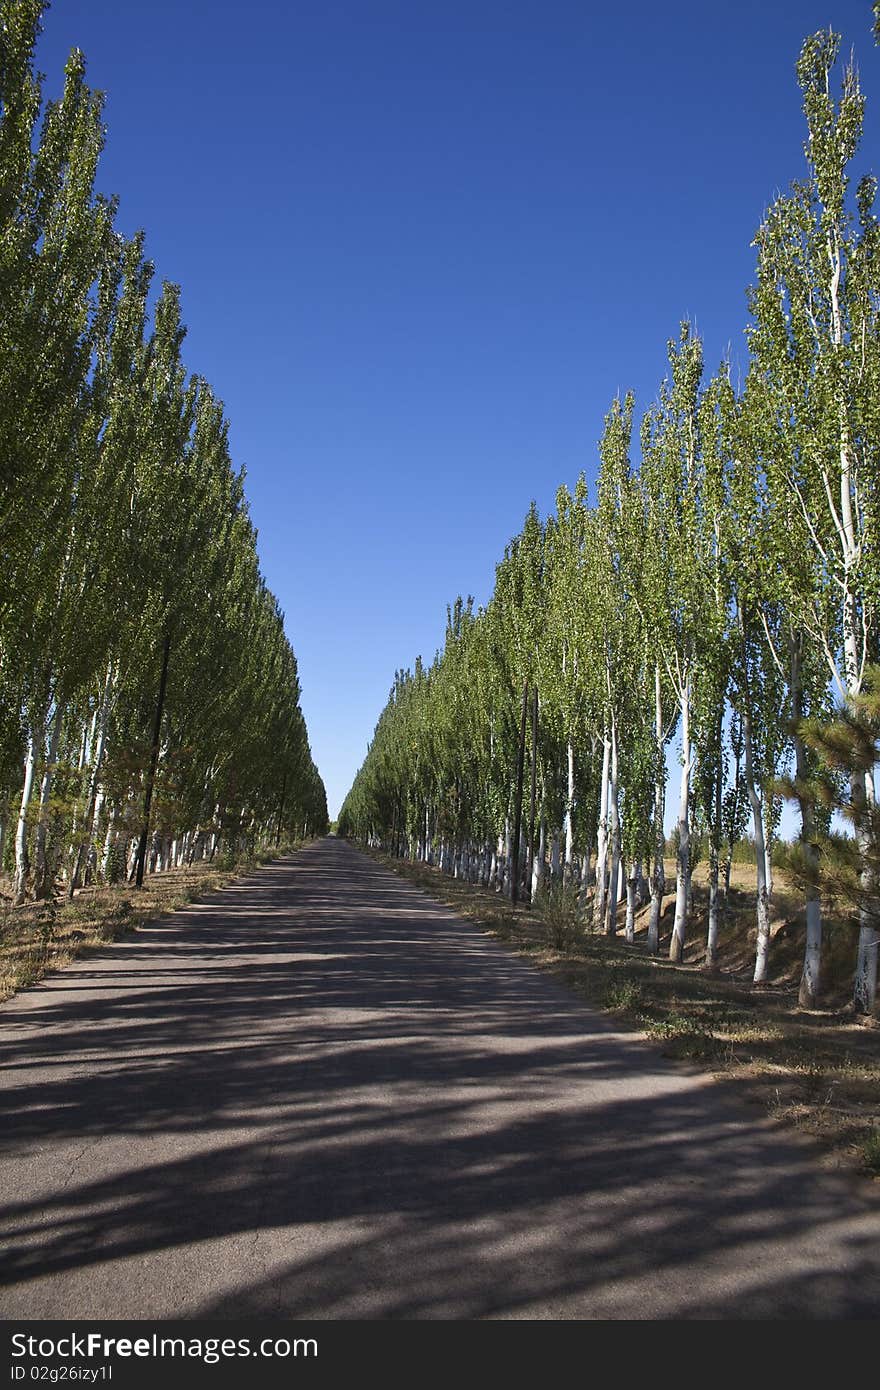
point(19, 885)
point(43, 873)
point(539, 860)
point(712, 933)
point(281, 809)
point(715, 847)
point(154, 763)
point(90, 818)
point(865, 985)
point(518, 795)
point(555, 857)
point(506, 882)
point(631, 883)
point(683, 876)
point(569, 817)
point(658, 877)
point(762, 899)
point(602, 841)
point(534, 789)
point(614, 817)
point(108, 841)
point(810, 986)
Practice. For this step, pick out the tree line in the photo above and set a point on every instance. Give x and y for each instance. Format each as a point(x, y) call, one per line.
point(719, 589)
point(149, 699)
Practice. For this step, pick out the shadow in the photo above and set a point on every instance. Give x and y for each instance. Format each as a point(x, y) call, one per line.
point(318, 1094)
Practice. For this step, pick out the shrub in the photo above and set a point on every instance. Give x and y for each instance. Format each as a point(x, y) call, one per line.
point(557, 908)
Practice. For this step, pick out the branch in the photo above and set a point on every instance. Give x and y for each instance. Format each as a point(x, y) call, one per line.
point(832, 663)
point(838, 525)
point(770, 643)
point(810, 527)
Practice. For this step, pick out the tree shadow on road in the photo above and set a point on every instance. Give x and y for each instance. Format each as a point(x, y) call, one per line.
point(335, 1099)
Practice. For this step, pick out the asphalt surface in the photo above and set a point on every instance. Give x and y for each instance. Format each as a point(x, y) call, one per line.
point(320, 1095)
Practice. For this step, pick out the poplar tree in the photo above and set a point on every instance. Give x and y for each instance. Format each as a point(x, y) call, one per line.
point(816, 348)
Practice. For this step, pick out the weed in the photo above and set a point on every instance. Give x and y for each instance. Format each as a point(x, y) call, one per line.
point(684, 1036)
point(869, 1150)
point(624, 995)
point(558, 910)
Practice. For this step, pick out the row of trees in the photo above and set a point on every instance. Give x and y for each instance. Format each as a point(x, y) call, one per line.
point(149, 700)
point(720, 592)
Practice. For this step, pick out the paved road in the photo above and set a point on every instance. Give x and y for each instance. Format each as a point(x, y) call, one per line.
point(319, 1095)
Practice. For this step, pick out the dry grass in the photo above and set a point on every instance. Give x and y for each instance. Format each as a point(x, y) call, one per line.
point(818, 1070)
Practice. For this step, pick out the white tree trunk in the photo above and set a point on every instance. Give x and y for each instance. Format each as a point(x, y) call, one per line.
point(569, 816)
point(683, 875)
point(712, 933)
point(865, 987)
point(42, 872)
point(583, 887)
point(615, 890)
point(21, 855)
point(109, 839)
point(631, 883)
point(555, 857)
point(602, 838)
point(808, 996)
point(538, 861)
point(505, 881)
point(658, 877)
point(810, 986)
point(762, 899)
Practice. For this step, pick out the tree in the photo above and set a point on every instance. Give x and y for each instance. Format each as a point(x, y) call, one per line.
point(817, 350)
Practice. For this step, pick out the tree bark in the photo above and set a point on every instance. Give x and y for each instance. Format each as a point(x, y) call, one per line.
point(762, 900)
point(518, 794)
point(92, 794)
point(658, 877)
point(534, 792)
point(569, 817)
point(43, 876)
point(810, 986)
point(281, 809)
point(683, 876)
point(614, 833)
point(154, 763)
point(19, 886)
point(602, 838)
point(631, 883)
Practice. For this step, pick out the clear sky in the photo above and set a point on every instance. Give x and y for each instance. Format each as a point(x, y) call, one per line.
point(422, 244)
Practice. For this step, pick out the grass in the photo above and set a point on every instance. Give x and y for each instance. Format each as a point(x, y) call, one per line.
point(870, 1151)
point(816, 1070)
point(38, 937)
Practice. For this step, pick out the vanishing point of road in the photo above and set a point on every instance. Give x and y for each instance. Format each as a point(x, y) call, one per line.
point(318, 1094)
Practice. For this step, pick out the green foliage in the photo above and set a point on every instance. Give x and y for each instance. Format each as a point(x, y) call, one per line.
point(625, 995)
point(124, 530)
point(682, 1036)
point(848, 865)
point(870, 1153)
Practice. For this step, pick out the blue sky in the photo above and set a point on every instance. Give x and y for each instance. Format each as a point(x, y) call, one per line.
point(422, 244)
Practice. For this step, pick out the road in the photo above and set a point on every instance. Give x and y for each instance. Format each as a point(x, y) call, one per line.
point(320, 1095)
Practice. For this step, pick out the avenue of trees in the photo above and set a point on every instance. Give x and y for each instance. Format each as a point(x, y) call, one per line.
point(718, 595)
point(149, 699)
